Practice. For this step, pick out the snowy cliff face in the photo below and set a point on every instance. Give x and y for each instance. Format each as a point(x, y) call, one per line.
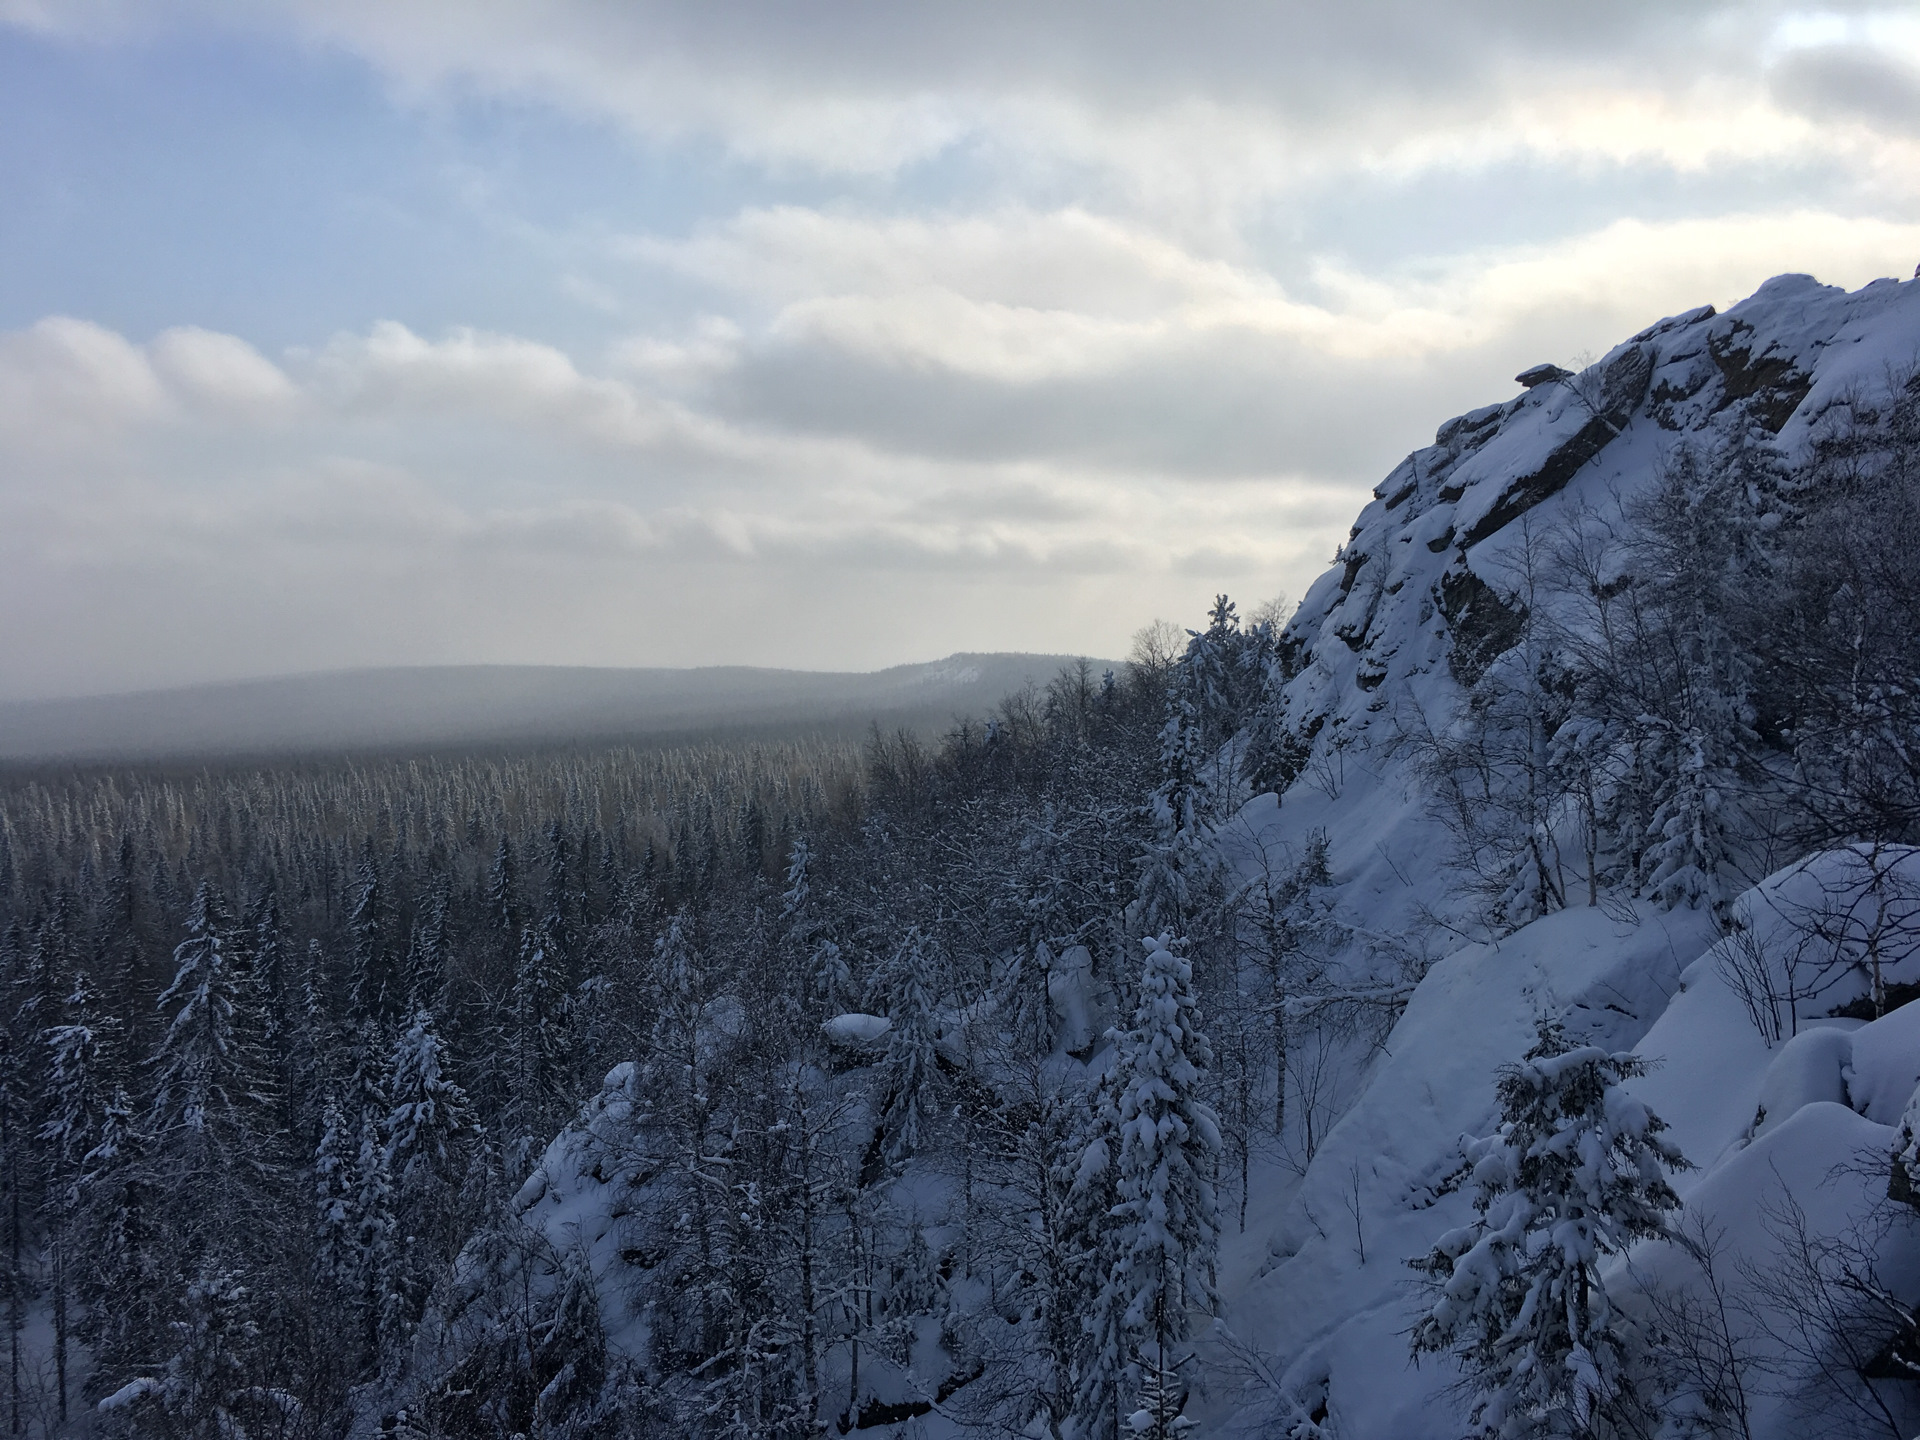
point(1429, 589)
point(1425, 583)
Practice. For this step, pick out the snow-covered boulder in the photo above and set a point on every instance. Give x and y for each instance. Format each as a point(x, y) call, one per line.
point(855, 1031)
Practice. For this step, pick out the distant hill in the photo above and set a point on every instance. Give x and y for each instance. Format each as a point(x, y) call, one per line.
point(441, 705)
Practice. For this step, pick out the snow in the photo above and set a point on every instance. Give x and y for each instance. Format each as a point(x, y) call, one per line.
point(856, 1030)
point(1885, 1065)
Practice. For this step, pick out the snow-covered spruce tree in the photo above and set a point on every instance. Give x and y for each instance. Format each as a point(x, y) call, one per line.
point(503, 890)
point(374, 986)
point(427, 1132)
point(425, 970)
point(570, 1359)
point(204, 1389)
point(829, 978)
point(80, 1084)
point(537, 1046)
point(1846, 655)
point(911, 1061)
point(1165, 1221)
point(122, 1280)
point(212, 1115)
point(333, 1192)
point(1575, 1173)
point(1226, 667)
point(18, 1172)
point(1089, 1241)
point(1174, 867)
point(375, 1264)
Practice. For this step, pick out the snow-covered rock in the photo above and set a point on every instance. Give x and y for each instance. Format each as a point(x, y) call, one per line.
point(857, 1031)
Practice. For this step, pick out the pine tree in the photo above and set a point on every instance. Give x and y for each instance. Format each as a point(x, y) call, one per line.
point(1573, 1174)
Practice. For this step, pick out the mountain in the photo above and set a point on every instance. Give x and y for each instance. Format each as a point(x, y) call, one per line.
point(1439, 581)
point(449, 705)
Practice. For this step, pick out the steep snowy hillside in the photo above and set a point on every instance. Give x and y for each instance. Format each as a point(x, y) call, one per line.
point(1519, 780)
point(1431, 587)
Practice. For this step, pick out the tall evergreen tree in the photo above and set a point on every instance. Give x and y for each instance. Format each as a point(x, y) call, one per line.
point(80, 1087)
point(911, 1062)
point(1574, 1174)
point(1166, 1215)
point(211, 1114)
point(428, 1129)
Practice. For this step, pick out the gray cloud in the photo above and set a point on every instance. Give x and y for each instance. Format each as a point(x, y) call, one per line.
point(1836, 82)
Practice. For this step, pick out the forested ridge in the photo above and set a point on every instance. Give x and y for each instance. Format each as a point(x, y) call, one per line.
point(788, 1091)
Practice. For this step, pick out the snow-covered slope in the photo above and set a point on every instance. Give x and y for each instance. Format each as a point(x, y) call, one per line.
point(1422, 599)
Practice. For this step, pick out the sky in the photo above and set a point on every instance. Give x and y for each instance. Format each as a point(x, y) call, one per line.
point(830, 333)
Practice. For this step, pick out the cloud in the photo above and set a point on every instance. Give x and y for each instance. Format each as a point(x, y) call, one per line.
point(903, 328)
point(66, 381)
point(350, 501)
point(219, 371)
point(1196, 107)
point(1831, 82)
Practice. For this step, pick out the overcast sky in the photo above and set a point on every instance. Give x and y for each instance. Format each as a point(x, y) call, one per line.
point(344, 332)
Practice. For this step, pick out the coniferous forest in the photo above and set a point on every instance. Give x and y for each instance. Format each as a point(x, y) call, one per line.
point(799, 1089)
